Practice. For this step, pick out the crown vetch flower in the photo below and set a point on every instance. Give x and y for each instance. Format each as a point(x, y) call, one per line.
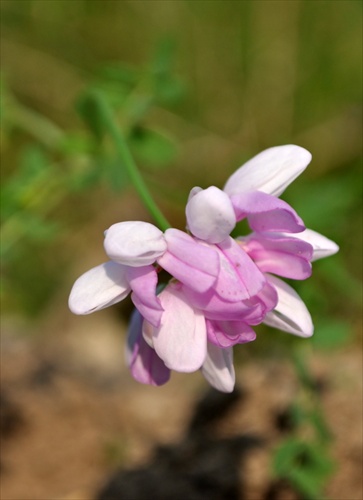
point(219, 287)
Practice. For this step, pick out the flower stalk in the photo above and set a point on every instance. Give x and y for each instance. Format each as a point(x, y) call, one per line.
point(109, 124)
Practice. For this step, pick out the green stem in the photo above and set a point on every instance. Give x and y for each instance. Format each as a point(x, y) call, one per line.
point(128, 161)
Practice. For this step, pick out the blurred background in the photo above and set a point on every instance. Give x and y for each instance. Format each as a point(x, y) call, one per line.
point(198, 87)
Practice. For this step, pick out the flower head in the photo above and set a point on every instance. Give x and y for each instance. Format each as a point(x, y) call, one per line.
point(219, 287)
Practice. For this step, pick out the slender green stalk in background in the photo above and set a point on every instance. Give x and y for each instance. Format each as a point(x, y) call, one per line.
point(108, 123)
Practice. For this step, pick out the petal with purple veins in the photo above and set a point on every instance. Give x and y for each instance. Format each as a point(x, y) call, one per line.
point(193, 263)
point(239, 277)
point(229, 333)
point(214, 307)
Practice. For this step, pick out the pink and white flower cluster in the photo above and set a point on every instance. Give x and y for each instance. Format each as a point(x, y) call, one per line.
point(219, 287)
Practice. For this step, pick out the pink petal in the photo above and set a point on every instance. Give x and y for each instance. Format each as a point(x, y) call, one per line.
point(239, 277)
point(210, 214)
point(218, 368)
point(270, 171)
point(98, 288)
point(190, 261)
point(145, 365)
point(268, 299)
point(214, 307)
point(322, 246)
point(134, 243)
point(290, 315)
point(251, 311)
point(181, 339)
point(229, 333)
point(143, 282)
point(266, 213)
point(285, 256)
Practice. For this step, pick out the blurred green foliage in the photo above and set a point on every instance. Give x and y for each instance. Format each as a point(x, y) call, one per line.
point(303, 458)
point(198, 87)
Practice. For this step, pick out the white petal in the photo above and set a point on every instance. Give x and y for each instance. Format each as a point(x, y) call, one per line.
point(134, 243)
point(98, 288)
point(270, 171)
point(322, 246)
point(181, 339)
point(218, 368)
point(210, 214)
point(290, 314)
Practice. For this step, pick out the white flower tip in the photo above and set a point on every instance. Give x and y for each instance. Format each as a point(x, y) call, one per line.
point(78, 302)
point(329, 249)
point(98, 288)
point(271, 171)
point(210, 214)
point(303, 327)
point(322, 246)
point(79, 299)
point(76, 306)
point(218, 368)
point(134, 243)
point(290, 314)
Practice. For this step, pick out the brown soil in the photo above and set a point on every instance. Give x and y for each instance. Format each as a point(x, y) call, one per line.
point(71, 414)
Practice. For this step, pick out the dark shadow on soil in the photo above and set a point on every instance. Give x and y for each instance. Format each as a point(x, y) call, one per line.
point(202, 466)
